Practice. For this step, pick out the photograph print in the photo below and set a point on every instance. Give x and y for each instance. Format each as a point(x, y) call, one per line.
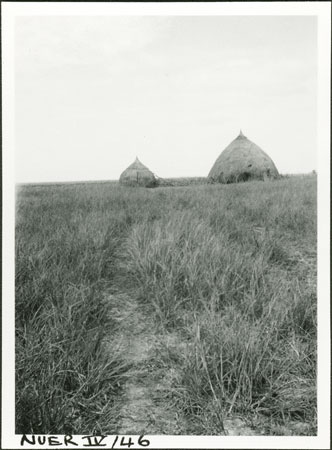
point(166, 171)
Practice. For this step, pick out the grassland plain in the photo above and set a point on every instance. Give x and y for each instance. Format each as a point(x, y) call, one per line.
point(218, 283)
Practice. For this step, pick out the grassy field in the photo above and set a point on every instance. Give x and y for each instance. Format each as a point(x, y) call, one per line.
point(230, 270)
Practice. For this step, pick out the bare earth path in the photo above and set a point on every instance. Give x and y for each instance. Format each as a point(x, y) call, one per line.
point(142, 410)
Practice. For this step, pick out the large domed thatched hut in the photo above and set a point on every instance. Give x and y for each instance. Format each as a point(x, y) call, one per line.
point(242, 160)
point(138, 175)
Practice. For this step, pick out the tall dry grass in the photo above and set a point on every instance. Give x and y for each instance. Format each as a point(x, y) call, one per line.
point(233, 269)
point(66, 379)
point(230, 269)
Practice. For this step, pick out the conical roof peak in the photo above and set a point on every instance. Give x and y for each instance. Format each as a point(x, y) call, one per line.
point(241, 135)
point(137, 164)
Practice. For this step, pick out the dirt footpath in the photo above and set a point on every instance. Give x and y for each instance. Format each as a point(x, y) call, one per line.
point(142, 406)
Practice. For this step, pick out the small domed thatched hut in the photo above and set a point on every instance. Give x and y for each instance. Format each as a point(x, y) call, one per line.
point(242, 160)
point(138, 175)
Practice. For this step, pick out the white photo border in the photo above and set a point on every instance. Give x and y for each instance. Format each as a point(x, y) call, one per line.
point(322, 10)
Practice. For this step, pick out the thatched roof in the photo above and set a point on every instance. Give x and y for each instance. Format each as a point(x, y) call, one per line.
point(242, 160)
point(138, 175)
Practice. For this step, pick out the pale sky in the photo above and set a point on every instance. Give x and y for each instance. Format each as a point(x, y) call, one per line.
point(92, 93)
